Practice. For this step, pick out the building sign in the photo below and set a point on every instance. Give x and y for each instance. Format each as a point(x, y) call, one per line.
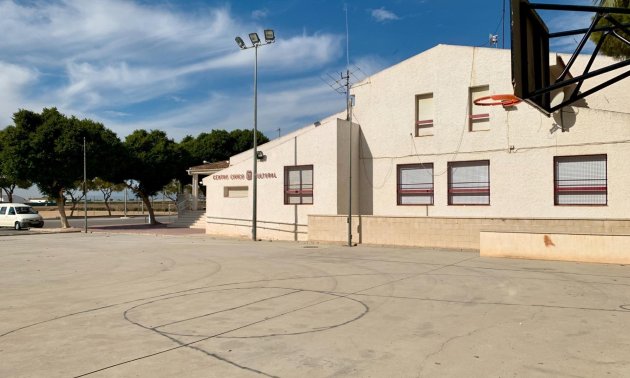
point(248, 176)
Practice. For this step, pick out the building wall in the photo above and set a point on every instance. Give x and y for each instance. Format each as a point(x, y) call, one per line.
point(446, 232)
point(320, 146)
point(520, 143)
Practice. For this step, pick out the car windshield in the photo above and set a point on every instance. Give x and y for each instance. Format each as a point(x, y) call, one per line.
point(25, 210)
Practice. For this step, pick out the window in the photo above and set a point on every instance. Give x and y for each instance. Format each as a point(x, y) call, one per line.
point(424, 115)
point(3, 210)
point(479, 118)
point(469, 183)
point(11, 211)
point(580, 180)
point(415, 184)
point(235, 191)
point(298, 185)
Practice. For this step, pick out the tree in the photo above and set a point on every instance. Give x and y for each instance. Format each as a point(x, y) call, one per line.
point(219, 144)
point(107, 188)
point(153, 161)
point(76, 194)
point(171, 190)
point(9, 179)
point(47, 149)
point(613, 46)
point(243, 140)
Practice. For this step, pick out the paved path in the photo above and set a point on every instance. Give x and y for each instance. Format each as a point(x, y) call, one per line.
point(119, 305)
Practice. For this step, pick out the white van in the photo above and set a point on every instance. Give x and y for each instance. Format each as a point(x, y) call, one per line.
point(19, 216)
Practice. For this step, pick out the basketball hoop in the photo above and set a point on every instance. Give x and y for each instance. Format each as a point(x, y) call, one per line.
point(500, 99)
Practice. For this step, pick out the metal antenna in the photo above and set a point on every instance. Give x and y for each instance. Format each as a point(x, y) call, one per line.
point(494, 40)
point(503, 21)
point(343, 85)
point(349, 118)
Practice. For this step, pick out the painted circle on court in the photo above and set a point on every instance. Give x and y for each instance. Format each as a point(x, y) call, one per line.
point(247, 312)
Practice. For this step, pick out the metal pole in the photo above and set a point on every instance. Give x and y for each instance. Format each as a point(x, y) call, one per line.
point(85, 187)
point(125, 202)
point(349, 118)
point(255, 178)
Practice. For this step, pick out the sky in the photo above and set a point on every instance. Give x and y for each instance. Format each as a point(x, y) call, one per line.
point(174, 65)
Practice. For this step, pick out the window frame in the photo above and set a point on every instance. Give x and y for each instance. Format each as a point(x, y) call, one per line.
point(399, 168)
point(229, 188)
point(424, 124)
point(477, 118)
point(555, 180)
point(449, 166)
point(301, 195)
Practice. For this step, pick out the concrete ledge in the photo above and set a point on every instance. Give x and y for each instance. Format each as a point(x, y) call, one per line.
point(610, 249)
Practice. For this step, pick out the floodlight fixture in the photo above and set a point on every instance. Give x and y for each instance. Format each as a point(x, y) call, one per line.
point(254, 38)
point(240, 43)
point(270, 37)
point(258, 155)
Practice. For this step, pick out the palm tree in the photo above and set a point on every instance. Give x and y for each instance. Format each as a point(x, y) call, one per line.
point(615, 47)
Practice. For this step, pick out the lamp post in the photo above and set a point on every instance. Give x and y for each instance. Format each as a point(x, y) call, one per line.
point(256, 42)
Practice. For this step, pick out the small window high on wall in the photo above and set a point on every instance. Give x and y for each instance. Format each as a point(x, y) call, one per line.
point(580, 180)
point(479, 117)
point(469, 183)
point(298, 185)
point(415, 184)
point(235, 191)
point(424, 115)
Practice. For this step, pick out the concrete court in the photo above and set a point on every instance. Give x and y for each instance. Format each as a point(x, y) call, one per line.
point(114, 305)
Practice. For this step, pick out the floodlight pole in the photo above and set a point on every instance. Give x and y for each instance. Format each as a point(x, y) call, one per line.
point(256, 42)
point(255, 178)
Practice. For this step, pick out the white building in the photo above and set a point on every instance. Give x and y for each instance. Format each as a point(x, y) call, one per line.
point(430, 168)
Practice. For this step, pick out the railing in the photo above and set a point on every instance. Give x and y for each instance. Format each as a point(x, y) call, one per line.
point(185, 203)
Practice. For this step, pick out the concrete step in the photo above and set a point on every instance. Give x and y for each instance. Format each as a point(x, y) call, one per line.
point(190, 219)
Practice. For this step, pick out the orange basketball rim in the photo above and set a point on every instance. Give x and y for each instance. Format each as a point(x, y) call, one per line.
point(500, 99)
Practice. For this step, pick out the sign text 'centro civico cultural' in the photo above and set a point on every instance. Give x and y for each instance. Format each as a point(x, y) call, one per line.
point(248, 176)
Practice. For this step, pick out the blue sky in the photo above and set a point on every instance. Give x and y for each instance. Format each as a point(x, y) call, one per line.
point(174, 65)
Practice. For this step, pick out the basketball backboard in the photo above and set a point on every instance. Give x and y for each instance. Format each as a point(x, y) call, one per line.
point(550, 88)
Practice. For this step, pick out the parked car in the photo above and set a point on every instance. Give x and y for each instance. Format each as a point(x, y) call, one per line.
point(19, 216)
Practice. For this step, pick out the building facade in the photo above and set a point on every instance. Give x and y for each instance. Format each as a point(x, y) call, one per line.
point(431, 168)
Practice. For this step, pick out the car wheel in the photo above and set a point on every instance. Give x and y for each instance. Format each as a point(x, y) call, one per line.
point(18, 226)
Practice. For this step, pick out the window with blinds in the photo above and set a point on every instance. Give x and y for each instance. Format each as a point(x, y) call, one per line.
point(479, 117)
point(580, 180)
point(298, 185)
point(469, 183)
point(415, 184)
point(424, 114)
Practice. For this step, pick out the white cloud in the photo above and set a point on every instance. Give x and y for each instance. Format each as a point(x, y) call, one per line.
point(288, 105)
point(97, 59)
point(259, 14)
point(383, 15)
point(14, 82)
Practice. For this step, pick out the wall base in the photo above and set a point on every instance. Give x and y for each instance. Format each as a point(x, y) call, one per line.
point(613, 249)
